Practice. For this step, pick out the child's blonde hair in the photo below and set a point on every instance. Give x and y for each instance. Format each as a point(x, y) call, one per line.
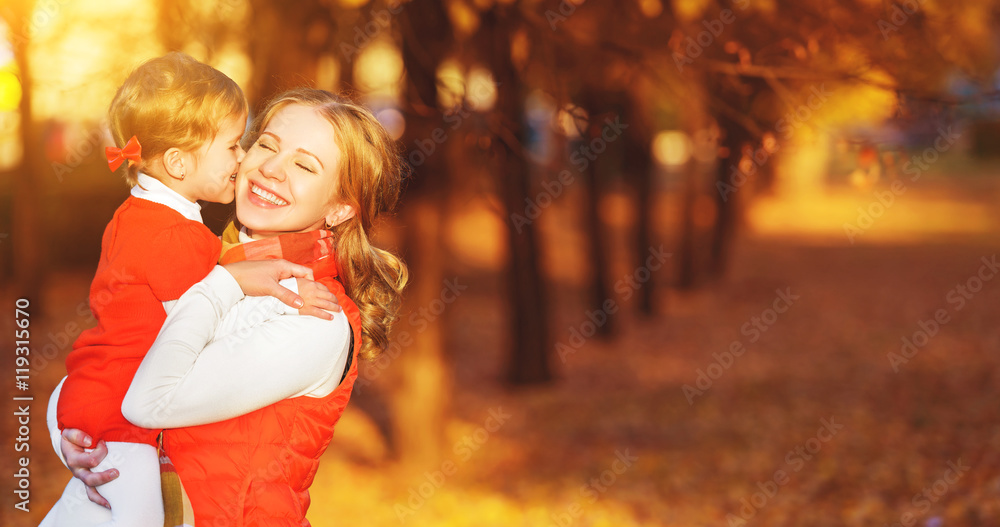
point(369, 179)
point(172, 101)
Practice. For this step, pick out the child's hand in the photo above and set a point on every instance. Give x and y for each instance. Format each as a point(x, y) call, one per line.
point(318, 299)
point(75, 445)
point(260, 278)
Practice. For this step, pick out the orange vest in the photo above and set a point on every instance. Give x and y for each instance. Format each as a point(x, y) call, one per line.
point(256, 469)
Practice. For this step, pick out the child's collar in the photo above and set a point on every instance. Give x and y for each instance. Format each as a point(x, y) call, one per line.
point(151, 189)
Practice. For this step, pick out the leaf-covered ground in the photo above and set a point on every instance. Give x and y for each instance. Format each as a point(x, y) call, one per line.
point(809, 426)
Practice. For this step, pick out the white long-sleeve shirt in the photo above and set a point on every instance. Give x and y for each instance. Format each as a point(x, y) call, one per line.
point(220, 355)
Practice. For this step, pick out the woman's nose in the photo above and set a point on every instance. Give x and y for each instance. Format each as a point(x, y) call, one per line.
point(271, 169)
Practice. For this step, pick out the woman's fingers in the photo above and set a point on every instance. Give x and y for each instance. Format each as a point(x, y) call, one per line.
point(286, 295)
point(97, 498)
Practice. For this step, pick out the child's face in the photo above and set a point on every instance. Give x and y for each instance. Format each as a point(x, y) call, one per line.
point(217, 161)
point(287, 183)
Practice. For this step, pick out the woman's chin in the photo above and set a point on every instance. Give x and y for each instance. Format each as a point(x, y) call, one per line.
point(253, 223)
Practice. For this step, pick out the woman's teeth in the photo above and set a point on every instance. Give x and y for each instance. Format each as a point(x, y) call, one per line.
point(232, 177)
point(267, 196)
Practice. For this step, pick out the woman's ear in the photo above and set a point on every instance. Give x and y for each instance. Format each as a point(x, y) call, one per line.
point(338, 214)
point(174, 163)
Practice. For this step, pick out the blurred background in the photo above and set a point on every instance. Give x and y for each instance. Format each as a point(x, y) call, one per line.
point(675, 262)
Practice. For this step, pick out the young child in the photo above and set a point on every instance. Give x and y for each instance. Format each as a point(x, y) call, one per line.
point(178, 123)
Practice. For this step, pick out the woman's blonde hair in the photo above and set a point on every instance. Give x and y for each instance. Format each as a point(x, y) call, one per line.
point(369, 179)
point(172, 101)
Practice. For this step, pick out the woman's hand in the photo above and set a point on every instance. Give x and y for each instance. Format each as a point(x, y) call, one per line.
point(74, 447)
point(260, 278)
point(318, 299)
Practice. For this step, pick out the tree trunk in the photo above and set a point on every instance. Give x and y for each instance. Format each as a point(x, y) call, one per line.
point(639, 167)
point(694, 119)
point(599, 291)
point(27, 230)
point(596, 234)
point(420, 378)
point(686, 247)
point(529, 358)
point(420, 385)
point(280, 54)
point(725, 219)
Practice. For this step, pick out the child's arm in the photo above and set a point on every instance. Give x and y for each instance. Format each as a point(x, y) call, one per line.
point(186, 379)
point(252, 311)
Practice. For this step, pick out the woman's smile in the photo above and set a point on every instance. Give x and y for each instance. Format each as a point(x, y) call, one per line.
point(265, 197)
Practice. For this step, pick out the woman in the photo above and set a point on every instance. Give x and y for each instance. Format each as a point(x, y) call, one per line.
point(250, 395)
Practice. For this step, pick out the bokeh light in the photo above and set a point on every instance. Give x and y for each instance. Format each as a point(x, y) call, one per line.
point(672, 148)
point(378, 70)
point(10, 91)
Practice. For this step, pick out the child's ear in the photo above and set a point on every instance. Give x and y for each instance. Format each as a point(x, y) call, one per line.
point(174, 163)
point(338, 214)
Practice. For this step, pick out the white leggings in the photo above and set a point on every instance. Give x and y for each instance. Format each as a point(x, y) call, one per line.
point(134, 496)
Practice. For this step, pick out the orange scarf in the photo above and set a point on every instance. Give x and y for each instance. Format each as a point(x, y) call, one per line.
point(304, 248)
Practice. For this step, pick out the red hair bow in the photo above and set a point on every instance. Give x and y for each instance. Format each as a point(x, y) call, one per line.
point(132, 152)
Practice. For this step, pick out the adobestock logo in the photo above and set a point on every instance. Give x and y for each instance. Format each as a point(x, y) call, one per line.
point(957, 299)
point(695, 46)
point(795, 461)
point(923, 500)
point(899, 14)
point(580, 158)
point(626, 287)
point(705, 378)
point(464, 449)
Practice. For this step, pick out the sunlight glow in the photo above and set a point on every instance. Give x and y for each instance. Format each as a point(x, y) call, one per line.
point(234, 62)
point(10, 91)
point(671, 148)
point(570, 120)
point(481, 92)
point(650, 8)
point(451, 84)
point(10, 140)
point(464, 18)
point(73, 53)
point(327, 72)
point(690, 10)
point(379, 69)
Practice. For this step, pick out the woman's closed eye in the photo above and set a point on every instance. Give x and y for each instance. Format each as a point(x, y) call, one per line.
point(306, 168)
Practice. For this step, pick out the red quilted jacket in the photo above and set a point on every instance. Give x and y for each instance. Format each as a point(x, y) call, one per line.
point(256, 469)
